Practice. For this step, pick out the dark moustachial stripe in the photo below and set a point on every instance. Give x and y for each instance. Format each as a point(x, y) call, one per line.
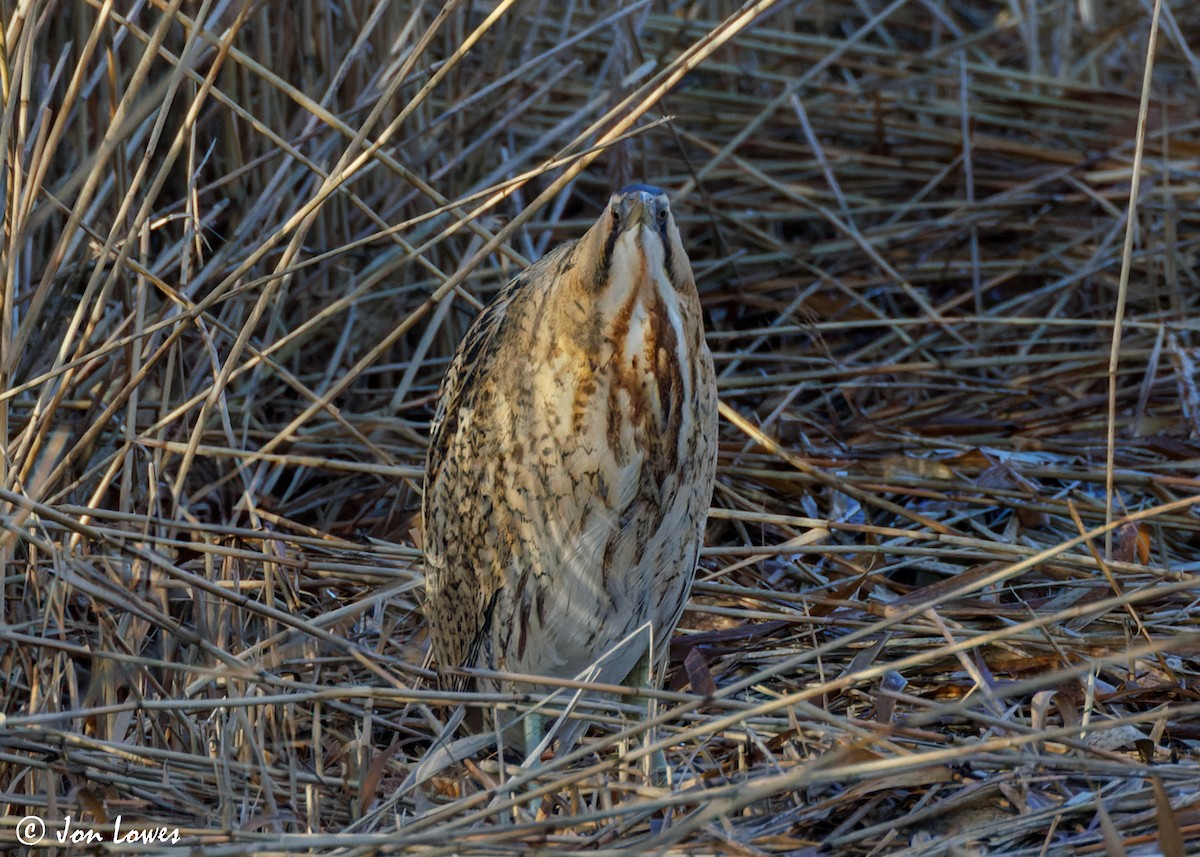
point(601, 278)
point(668, 253)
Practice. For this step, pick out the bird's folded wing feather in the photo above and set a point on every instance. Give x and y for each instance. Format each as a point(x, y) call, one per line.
point(451, 437)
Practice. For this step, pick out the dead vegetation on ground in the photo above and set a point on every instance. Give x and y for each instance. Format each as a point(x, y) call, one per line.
point(942, 612)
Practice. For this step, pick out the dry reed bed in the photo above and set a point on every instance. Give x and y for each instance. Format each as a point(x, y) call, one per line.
point(235, 264)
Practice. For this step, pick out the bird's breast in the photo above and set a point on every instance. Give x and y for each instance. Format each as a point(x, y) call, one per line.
point(630, 397)
point(617, 365)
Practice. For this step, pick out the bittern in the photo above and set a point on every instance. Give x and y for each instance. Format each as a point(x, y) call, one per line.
point(571, 460)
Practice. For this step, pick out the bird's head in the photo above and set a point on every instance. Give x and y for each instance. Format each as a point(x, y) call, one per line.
point(636, 241)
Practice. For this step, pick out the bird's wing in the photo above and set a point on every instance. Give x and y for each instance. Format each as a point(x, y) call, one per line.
point(458, 591)
point(473, 360)
point(462, 375)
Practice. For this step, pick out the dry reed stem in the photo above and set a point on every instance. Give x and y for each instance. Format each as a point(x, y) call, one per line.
point(948, 257)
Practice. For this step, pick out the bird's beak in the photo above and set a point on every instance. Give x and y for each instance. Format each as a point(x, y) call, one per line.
point(634, 211)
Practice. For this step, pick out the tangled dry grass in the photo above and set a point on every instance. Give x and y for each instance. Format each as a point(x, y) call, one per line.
point(942, 611)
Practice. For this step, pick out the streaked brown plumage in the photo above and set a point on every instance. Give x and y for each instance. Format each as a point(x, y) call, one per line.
point(571, 459)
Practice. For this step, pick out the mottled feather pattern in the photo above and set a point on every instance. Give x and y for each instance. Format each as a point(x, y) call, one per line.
point(572, 457)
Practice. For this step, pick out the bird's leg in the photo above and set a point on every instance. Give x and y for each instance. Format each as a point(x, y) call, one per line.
point(654, 766)
point(534, 729)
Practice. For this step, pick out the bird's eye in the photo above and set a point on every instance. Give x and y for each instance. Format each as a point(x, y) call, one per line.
point(662, 217)
point(616, 216)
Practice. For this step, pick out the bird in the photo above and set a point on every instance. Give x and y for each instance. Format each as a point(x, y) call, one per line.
point(571, 463)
